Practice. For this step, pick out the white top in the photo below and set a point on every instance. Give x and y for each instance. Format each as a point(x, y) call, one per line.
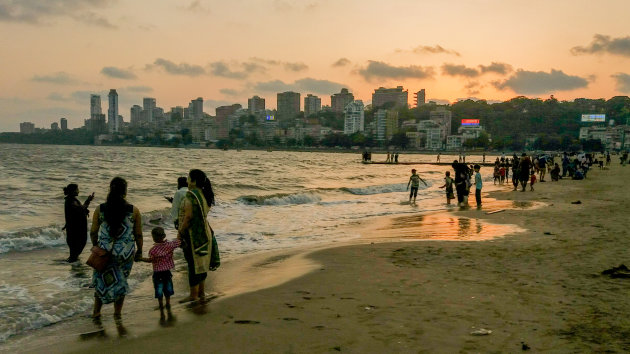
point(177, 200)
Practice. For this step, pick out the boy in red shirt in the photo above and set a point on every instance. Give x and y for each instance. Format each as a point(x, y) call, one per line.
point(161, 256)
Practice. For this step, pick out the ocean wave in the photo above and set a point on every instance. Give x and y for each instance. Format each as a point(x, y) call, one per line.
point(380, 189)
point(32, 238)
point(280, 199)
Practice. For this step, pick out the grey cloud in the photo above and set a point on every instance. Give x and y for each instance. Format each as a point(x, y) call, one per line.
point(295, 66)
point(59, 78)
point(499, 68)
point(197, 7)
point(623, 82)
point(438, 49)
point(605, 44)
point(439, 101)
point(38, 12)
point(538, 82)
point(229, 92)
point(139, 89)
point(273, 86)
point(459, 70)
point(342, 62)
point(210, 104)
point(118, 73)
point(377, 69)
point(265, 61)
point(222, 69)
point(56, 96)
point(303, 85)
point(179, 69)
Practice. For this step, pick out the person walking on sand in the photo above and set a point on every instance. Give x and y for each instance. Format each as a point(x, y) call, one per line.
point(414, 181)
point(196, 234)
point(438, 157)
point(176, 200)
point(448, 184)
point(388, 158)
point(483, 159)
point(76, 215)
point(532, 181)
point(478, 186)
point(525, 166)
point(161, 258)
point(116, 228)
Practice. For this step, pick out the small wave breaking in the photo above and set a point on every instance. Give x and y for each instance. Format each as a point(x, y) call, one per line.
point(280, 199)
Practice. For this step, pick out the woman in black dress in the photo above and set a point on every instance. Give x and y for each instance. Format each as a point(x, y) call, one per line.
point(76, 221)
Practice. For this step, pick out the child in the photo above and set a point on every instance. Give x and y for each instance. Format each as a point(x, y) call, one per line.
point(478, 185)
point(448, 184)
point(532, 180)
point(161, 256)
point(502, 174)
point(414, 180)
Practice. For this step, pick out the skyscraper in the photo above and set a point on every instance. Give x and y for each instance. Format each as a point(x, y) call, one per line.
point(288, 106)
point(255, 104)
point(196, 108)
point(64, 123)
point(396, 96)
point(112, 112)
point(420, 98)
point(339, 101)
point(354, 117)
point(148, 104)
point(136, 115)
point(222, 114)
point(312, 105)
point(95, 106)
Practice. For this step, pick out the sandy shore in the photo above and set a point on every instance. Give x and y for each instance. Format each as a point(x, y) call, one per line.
point(539, 287)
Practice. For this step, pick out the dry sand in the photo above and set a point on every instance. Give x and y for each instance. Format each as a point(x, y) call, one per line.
point(539, 287)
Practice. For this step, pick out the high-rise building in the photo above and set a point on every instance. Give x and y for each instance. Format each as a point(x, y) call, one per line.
point(54, 126)
point(288, 106)
point(391, 124)
point(95, 106)
point(396, 96)
point(444, 118)
point(136, 114)
point(420, 98)
point(195, 109)
point(148, 104)
point(381, 124)
point(255, 104)
point(112, 112)
point(64, 123)
point(312, 105)
point(177, 112)
point(27, 128)
point(354, 117)
point(339, 101)
point(222, 114)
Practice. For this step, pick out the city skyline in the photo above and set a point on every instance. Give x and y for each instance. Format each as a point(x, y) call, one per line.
point(492, 50)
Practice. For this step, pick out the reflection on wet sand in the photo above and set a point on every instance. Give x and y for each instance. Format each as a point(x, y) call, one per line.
point(441, 226)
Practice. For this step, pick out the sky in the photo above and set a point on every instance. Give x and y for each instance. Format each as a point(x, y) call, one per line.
point(55, 53)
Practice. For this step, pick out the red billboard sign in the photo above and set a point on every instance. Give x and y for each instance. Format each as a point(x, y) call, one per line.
point(470, 121)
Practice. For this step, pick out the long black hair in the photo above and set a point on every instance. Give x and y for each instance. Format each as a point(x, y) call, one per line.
point(70, 190)
point(116, 204)
point(203, 183)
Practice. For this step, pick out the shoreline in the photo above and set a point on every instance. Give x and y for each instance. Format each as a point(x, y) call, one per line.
point(540, 287)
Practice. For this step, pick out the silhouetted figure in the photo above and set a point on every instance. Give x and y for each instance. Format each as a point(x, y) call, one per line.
point(76, 221)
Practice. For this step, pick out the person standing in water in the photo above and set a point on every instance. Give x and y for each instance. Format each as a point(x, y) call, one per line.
point(76, 221)
point(414, 181)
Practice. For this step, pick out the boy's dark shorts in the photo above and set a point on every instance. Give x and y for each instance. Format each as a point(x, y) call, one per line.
point(163, 284)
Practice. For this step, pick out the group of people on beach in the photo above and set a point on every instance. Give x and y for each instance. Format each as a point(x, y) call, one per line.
point(116, 233)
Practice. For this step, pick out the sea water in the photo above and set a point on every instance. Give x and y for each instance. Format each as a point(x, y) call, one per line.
point(264, 201)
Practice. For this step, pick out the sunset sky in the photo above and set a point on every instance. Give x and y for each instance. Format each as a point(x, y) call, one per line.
point(55, 53)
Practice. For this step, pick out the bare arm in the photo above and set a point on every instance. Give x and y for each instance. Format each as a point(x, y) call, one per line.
point(137, 232)
point(186, 206)
point(95, 226)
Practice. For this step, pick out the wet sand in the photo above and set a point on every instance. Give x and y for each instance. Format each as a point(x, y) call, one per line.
point(540, 286)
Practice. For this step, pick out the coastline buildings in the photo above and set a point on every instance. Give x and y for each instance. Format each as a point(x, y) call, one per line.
point(27, 128)
point(221, 120)
point(112, 112)
point(312, 105)
point(195, 109)
point(148, 105)
point(135, 115)
point(420, 97)
point(64, 124)
point(95, 106)
point(339, 101)
point(255, 104)
point(354, 117)
point(288, 106)
point(395, 96)
point(444, 118)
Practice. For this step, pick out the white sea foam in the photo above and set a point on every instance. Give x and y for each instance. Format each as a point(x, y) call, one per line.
point(31, 239)
point(381, 189)
point(281, 199)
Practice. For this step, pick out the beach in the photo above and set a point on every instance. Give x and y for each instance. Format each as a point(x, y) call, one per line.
point(540, 288)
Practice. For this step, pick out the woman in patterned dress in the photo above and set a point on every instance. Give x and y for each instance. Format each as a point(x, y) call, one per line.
point(116, 228)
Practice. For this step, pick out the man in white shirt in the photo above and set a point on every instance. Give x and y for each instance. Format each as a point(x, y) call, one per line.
point(182, 189)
